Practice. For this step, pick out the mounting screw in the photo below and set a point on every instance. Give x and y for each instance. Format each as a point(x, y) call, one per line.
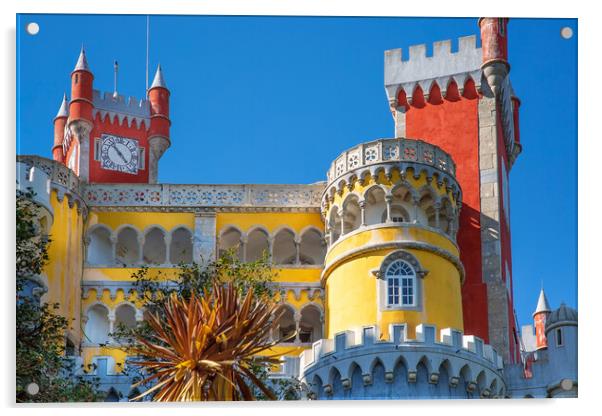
point(32, 28)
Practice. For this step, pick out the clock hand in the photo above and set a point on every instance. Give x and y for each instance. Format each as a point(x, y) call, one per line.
point(120, 154)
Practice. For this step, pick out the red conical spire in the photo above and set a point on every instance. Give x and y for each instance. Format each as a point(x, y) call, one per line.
point(59, 130)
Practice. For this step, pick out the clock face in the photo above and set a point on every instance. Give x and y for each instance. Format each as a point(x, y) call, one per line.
point(119, 153)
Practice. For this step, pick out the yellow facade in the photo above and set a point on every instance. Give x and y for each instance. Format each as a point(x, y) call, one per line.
point(354, 288)
point(64, 269)
point(328, 259)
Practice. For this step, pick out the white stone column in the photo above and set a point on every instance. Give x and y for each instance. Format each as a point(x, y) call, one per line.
point(204, 237)
point(243, 248)
point(141, 239)
point(437, 207)
point(87, 241)
point(270, 248)
point(111, 317)
point(167, 240)
point(341, 215)
point(297, 326)
point(416, 204)
point(113, 239)
point(363, 213)
point(297, 251)
point(388, 200)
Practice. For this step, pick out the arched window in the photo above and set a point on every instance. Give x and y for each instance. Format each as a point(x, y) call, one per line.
point(125, 315)
point(154, 250)
point(310, 326)
point(334, 224)
point(127, 250)
point(427, 206)
point(100, 249)
point(312, 249)
point(375, 206)
point(285, 249)
point(352, 219)
point(286, 323)
point(125, 318)
point(445, 216)
point(180, 247)
point(257, 245)
point(230, 239)
point(97, 325)
point(401, 284)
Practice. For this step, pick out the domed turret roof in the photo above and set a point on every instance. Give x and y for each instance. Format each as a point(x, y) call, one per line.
point(564, 315)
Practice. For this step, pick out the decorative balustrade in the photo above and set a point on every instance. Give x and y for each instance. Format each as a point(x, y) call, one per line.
point(390, 151)
point(57, 172)
point(168, 195)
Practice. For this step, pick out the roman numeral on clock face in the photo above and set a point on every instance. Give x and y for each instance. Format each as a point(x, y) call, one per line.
point(119, 154)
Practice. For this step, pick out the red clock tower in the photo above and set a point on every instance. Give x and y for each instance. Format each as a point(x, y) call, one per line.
point(110, 138)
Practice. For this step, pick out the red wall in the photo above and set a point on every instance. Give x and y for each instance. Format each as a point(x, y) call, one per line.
point(454, 126)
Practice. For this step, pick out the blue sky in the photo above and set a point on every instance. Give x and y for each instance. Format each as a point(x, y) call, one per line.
point(276, 99)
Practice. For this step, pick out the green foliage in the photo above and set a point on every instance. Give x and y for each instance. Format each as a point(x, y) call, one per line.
point(40, 340)
point(155, 289)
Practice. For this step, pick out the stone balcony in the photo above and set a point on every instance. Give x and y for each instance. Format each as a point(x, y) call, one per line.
point(389, 151)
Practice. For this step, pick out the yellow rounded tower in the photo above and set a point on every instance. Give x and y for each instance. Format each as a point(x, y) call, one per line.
point(391, 212)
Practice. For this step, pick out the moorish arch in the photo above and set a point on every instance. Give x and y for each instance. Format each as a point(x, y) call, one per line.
point(284, 247)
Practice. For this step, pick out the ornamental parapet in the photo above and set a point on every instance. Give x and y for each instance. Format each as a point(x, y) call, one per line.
point(457, 365)
point(169, 195)
point(386, 154)
point(36, 180)
point(61, 179)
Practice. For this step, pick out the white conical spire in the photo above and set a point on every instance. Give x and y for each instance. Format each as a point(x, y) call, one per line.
point(82, 62)
point(159, 81)
point(64, 109)
point(542, 303)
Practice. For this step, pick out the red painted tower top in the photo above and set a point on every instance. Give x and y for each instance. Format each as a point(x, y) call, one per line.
point(81, 90)
point(494, 39)
point(110, 138)
point(60, 122)
point(540, 317)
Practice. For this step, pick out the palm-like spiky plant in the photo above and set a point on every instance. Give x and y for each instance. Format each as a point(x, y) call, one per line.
point(204, 347)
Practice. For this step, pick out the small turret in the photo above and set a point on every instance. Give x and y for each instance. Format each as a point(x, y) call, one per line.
point(81, 90)
point(494, 44)
point(540, 317)
point(158, 138)
point(80, 120)
point(60, 122)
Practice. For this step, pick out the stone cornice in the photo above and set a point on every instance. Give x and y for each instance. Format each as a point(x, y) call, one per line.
point(405, 244)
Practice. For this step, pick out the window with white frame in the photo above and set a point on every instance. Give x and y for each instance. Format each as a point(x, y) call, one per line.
point(401, 284)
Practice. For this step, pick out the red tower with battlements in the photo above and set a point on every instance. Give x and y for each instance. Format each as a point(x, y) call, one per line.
point(464, 103)
point(110, 138)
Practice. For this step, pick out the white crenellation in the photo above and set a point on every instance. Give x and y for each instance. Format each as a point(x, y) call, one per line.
point(426, 335)
point(441, 67)
point(129, 108)
point(36, 180)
